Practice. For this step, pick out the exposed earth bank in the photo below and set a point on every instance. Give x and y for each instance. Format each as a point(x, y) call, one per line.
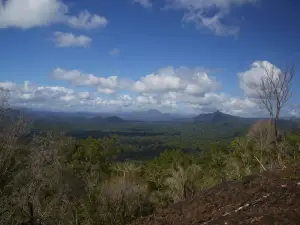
point(268, 198)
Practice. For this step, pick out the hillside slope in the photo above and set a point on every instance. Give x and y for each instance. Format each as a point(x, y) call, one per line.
point(270, 198)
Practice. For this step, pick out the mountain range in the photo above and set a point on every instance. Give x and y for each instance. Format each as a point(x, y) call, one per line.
point(152, 115)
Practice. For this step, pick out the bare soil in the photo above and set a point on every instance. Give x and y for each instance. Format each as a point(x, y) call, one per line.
point(269, 198)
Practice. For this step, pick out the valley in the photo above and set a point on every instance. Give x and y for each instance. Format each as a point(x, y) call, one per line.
point(144, 140)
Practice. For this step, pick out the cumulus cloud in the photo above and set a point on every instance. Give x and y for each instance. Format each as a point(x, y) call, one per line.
point(114, 52)
point(30, 93)
point(168, 88)
point(182, 79)
point(65, 40)
point(186, 90)
point(243, 107)
point(209, 13)
point(27, 14)
point(157, 83)
point(57, 97)
point(190, 81)
point(106, 85)
point(145, 100)
point(62, 98)
point(144, 3)
point(250, 80)
point(86, 20)
point(211, 102)
point(7, 85)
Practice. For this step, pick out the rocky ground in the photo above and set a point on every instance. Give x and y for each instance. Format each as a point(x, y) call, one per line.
point(269, 198)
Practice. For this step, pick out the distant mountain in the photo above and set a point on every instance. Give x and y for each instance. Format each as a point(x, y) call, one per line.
point(48, 113)
point(219, 117)
point(151, 115)
point(68, 120)
point(226, 119)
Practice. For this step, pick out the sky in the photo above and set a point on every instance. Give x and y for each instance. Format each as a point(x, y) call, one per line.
point(183, 56)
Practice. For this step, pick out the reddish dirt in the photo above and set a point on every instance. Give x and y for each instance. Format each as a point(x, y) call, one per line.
point(269, 198)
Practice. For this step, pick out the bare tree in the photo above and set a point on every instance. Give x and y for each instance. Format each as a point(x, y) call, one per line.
point(275, 92)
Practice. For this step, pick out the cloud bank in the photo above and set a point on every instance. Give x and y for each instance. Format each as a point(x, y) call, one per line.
point(183, 89)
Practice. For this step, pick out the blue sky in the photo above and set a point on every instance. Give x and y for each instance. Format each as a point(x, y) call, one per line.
point(173, 55)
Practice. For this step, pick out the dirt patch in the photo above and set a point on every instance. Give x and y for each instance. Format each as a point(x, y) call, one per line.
point(269, 198)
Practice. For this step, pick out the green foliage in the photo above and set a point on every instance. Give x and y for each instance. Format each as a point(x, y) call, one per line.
point(171, 177)
point(157, 169)
point(293, 139)
point(217, 161)
point(94, 154)
point(241, 161)
point(183, 183)
point(128, 170)
point(169, 158)
point(294, 143)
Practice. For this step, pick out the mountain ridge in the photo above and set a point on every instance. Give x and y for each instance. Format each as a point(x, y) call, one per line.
point(151, 115)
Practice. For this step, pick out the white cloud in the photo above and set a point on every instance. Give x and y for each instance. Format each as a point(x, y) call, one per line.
point(106, 85)
point(209, 13)
point(66, 99)
point(144, 3)
point(145, 100)
point(7, 85)
point(27, 14)
point(86, 20)
point(211, 102)
point(30, 13)
point(38, 94)
point(107, 91)
point(84, 95)
point(294, 110)
point(185, 90)
point(243, 107)
point(157, 83)
point(166, 88)
point(71, 40)
point(114, 52)
point(250, 80)
point(62, 74)
point(182, 79)
point(55, 97)
point(62, 98)
point(46, 93)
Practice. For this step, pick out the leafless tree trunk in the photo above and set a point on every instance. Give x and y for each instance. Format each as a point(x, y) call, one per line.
point(275, 92)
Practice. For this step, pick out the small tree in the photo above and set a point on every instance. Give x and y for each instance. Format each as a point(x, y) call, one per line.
point(275, 92)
